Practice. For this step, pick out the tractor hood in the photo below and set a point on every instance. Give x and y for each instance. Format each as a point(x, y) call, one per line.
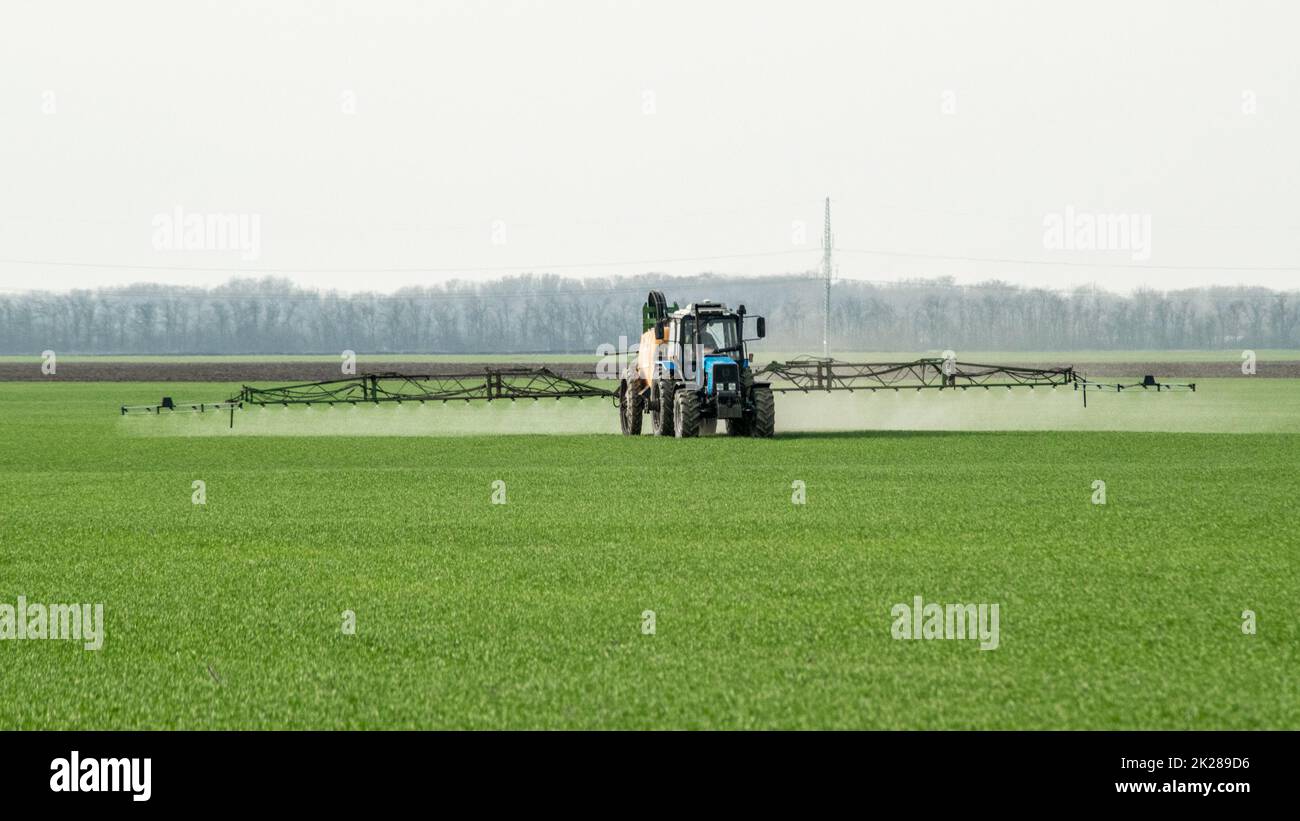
point(726, 370)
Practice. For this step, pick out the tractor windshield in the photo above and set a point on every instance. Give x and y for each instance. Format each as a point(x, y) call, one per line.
point(717, 334)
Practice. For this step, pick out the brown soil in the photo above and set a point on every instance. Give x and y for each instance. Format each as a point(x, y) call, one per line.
point(250, 372)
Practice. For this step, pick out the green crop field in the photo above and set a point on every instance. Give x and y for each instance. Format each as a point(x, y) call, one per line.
point(767, 613)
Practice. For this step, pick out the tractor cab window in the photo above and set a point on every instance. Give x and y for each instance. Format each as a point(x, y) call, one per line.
point(716, 333)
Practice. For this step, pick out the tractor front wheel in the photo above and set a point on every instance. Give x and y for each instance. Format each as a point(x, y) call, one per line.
point(764, 422)
point(686, 414)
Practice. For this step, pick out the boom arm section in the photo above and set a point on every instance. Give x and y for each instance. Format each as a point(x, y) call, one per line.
point(808, 374)
point(493, 383)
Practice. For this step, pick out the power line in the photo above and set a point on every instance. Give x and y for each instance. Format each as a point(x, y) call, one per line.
point(1075, 264)
point(397, 270)
point(550, 267)
point(1088, 290)
point(165, 292)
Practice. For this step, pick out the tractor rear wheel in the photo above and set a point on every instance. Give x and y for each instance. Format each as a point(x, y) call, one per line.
point(686, 414)
point(764, 423)
point(738, 427)
point(661, 409)
point(629, 411)
point(709, 426)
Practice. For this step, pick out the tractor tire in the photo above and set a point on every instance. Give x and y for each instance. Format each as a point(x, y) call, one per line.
point(708, 426)
point(764, 422)
point(629, 411)
point(686, 414)
point(738, 427)
point(661, 411)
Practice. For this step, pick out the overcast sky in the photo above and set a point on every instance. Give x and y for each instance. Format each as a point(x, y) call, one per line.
point(371, 145)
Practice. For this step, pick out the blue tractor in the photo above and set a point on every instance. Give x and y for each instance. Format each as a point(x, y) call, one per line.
point(692, 369)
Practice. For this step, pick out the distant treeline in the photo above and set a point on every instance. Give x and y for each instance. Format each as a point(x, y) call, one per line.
point(553, 314)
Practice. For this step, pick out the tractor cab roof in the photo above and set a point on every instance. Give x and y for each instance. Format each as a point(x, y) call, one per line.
point(703, 308)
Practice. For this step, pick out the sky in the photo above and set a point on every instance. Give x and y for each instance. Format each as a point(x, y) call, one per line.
point(375, 145)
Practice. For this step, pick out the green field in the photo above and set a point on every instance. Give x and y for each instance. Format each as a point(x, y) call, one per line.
point(768, 614)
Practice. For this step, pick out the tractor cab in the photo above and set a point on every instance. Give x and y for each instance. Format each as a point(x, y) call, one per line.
point(703, 344)
point(690, 341)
